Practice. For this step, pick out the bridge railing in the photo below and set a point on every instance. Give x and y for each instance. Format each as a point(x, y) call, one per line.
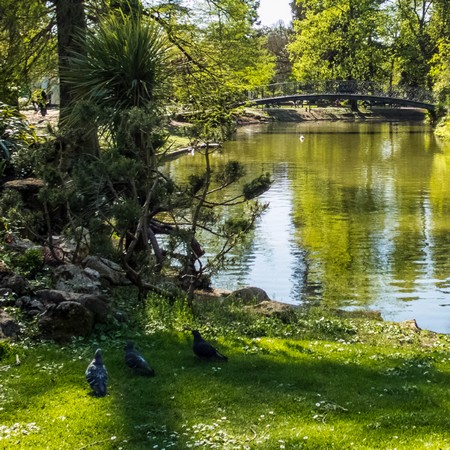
point(371, 88)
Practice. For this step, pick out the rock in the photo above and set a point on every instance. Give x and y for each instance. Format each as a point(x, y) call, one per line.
point(73, 248)
point(96, 304)
point(61, 322)
point(35, 307)
point(51, 296)
point(7, 297)
point(70, 277)
point(411, 325)
point(282, 311)
point(107, 269)
point(18, 284)
point(30, 306)
point(9, 328)
point(22, 245)
point(250, 294)
point(28, 189)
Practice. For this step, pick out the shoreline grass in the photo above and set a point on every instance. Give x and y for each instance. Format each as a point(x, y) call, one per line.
point(317, 381)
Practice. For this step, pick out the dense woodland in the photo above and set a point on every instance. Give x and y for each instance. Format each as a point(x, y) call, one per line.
point(125, 68)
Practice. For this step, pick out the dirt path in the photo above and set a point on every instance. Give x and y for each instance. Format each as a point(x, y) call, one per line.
point(40, 122)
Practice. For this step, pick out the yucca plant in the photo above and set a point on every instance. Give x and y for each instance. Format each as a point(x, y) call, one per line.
point(123, 70)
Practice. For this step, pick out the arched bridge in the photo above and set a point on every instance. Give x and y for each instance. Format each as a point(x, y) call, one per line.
point(334, 90)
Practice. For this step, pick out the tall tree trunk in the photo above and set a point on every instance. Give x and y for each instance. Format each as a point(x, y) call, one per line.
point(70, 20)
point(71, 23)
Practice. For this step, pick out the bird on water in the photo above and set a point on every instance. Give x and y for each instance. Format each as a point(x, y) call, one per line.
point(134, 360)
point(97, 375)
point(204, 350)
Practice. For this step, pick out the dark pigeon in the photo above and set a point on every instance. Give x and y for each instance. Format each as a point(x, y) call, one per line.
point(96, 375)
point(205, 350)
point(136, 361)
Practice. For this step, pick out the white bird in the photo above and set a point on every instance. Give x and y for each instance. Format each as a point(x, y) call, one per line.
point(302, 138)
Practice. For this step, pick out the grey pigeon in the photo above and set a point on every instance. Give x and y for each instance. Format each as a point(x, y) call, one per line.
point(97, 375)
point(205, 350)
point(136, 361)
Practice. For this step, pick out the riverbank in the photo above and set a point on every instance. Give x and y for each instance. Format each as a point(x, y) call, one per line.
point(311, 381)
point(258, 115)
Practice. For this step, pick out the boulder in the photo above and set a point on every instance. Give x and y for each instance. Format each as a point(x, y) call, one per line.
point(30, 305)
point(28, 189)
point(72, 248)
point(107, 269)
point(67, 319)
point(9, 328)
point(282, 311)
point(250, 294)
point(72, 278)
point(51, 296)
point(16, 283)
point(96, 304)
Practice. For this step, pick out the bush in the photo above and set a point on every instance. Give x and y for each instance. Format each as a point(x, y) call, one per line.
point(16, 135)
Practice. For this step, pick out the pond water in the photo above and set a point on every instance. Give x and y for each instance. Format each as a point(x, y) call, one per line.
point(358, 217)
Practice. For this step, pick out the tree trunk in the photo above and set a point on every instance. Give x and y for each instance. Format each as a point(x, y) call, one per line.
point(70, 20)
point(71, 23)
point(354, 105)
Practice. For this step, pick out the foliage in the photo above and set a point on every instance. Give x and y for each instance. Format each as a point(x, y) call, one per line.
point(340, 40)
point(440, 72)
point(119, 83)
point(125, 67)
point(16, 137)
point(277, 39)
point(257, 186)
point(27, 47)
point(29, 263)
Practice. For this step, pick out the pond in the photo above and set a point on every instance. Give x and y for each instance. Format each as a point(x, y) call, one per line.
point(358, 217)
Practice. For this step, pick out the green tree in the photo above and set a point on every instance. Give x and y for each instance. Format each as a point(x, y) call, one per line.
point(339, 40)
point(440, 72)
point(27, 46)
point(278, 37)
point(414, 45)
point(120, 83)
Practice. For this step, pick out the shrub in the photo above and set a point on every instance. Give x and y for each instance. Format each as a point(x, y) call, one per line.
point(16, 135)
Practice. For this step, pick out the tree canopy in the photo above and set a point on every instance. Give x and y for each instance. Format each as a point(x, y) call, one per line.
point(395, 41)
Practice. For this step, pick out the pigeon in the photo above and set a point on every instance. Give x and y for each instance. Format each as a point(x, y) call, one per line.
point(204, 350)
point(136, 361)
point(96, 375)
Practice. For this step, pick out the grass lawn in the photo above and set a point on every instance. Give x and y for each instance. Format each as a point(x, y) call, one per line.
point(309, 382)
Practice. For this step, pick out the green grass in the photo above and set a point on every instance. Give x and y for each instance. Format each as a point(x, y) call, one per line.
point(313, 383)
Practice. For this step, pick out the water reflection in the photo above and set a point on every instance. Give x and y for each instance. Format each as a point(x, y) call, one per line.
point(359, 216)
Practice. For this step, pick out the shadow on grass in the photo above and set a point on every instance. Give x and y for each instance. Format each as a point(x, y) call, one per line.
point(294, 389)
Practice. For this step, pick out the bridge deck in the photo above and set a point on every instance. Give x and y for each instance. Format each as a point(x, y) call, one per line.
point(343, 96)
point(371, 91)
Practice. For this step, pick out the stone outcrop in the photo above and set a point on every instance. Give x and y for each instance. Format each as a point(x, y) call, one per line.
point(250, 294)
point(66, 319)
point(269, 308)
point(58, 320)
point(107, 270)
point(16, 283)
point(9, 328)
point(73, 278)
